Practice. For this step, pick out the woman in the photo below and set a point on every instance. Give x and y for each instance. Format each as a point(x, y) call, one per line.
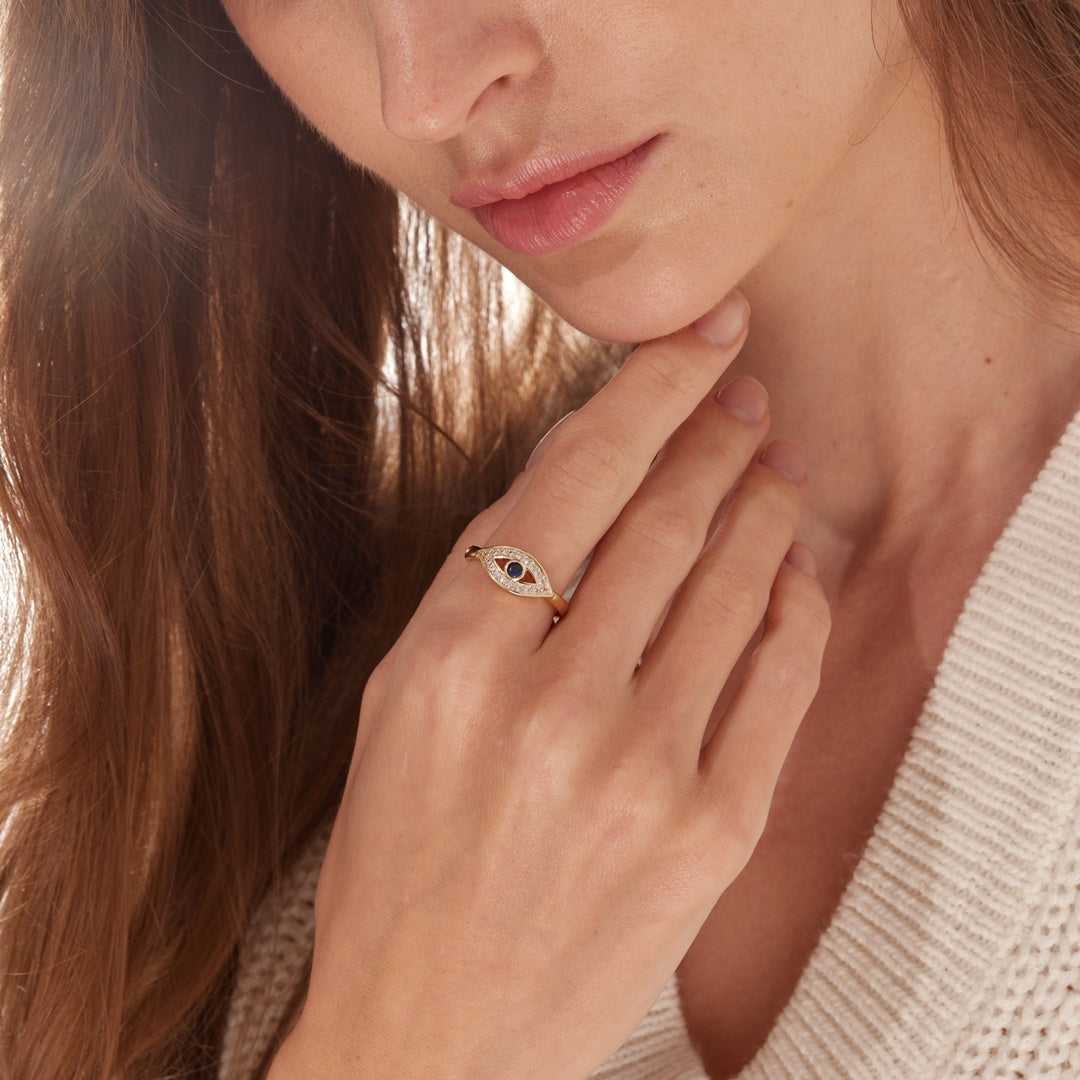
point(248, 408)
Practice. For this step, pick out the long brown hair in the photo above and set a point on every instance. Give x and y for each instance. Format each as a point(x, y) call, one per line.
point(1006, 76)
point(232, 453)
point(229, 471)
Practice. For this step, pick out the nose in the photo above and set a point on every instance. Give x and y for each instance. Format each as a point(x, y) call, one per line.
point(442, 62)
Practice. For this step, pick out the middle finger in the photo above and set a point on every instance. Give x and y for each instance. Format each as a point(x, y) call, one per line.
point(645, 556)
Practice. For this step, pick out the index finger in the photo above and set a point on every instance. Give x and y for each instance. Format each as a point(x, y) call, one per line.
point(600, 455)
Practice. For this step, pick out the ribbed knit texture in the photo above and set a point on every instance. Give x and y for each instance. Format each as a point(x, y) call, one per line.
point(955, 949)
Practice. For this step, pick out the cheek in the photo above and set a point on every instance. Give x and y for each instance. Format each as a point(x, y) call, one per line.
point(726, 197)
point(757, 134)
point(320, 55)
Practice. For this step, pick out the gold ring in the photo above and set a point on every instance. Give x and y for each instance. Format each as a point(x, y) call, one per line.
point(519, 573)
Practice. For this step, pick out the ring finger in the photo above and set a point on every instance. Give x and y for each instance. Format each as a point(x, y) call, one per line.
point(596, 463)
point(726, 595)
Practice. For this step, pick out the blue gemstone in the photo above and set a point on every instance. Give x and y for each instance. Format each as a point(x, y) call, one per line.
point(514, 570)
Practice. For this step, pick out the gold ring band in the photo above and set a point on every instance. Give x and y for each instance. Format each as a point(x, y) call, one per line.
point(511, 569)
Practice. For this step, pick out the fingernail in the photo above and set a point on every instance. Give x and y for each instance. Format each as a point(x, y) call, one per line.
point(785, 457)
point(745, 398)
point(802, 558)
point(723, 325)
point(536, 448)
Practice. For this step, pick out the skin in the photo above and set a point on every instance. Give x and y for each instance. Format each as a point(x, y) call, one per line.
point(784, 129)
point(525, 850)
point(801, 160)
point(401, 91)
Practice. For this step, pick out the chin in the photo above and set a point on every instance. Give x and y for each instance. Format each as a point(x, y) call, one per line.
point(636, 285)
point(630, 312)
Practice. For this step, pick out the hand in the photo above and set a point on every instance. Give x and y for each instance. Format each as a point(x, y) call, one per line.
point(532, 832)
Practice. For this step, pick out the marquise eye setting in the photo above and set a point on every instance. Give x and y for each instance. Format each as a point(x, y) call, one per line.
point(517, 572)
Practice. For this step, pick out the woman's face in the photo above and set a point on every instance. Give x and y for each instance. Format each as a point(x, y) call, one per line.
point(705, 128)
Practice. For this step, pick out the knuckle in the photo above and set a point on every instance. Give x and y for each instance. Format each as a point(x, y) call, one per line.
point(668, 372)
point(746, 823)
point(447, 675)
point(576, 694)
point(806, 608)
point(544, 760)
point(585, 458)
point(634, 806)
point(735, 594)
point(628, 811)
point(671, 524)
point(736, 822)
point(794, 680)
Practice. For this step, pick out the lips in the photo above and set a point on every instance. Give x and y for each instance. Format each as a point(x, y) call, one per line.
point(551, 203)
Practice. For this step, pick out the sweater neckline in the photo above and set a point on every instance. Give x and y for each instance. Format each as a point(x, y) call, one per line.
point(963, 842)
point(964, 838)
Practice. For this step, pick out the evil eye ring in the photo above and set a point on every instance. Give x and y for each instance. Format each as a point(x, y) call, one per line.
point(519, 573)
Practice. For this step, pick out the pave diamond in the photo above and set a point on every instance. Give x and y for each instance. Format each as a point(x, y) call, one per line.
point(522, 562)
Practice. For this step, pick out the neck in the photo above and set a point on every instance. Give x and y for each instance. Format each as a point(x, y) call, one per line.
point(922, 383)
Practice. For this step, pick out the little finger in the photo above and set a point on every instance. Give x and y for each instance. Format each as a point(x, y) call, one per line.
point(742, 761)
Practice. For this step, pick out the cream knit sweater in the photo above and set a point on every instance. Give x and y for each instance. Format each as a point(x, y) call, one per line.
point(955, 950)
